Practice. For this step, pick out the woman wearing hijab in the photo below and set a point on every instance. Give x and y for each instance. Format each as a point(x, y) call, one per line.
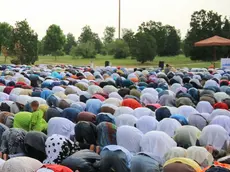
point(200, 155)
point(86, 132)
point(169, 126)
point(186, 111)
point(180, 118)
point(187, 136)
point(146, 124)
point(58, 148)
point(108, 108)
point(132, 103)
point(199, 120)
point(105, 117)
point(175, 152)
point(71, 114)
point(35, 145)
point(12, 143)
point(214, 135)
point(21, 164)
point(22, 120)
point(123, 110)
point(204, 107)
point(6, 118)
point(162, 112)
point(54, 168)
point(125, 119)
point(86, 116)
point(52, 112)
point(116, 158)
point(106, 134)
point(218, 112)
point(220, 105)
point(223, 121)
point(129, 138)
point(60, 126)
point(154, 145)
point(142, 111)
point(184, 101)
point(167, 100)
point(148, 98)
point(181, 165)
point(93, 106)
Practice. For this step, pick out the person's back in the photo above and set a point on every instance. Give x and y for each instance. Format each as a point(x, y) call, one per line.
point(22, 120)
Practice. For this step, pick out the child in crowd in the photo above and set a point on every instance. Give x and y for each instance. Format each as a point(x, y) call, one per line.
point(37, 122)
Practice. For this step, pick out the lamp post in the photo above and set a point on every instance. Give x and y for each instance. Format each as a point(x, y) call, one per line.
point(119, 19)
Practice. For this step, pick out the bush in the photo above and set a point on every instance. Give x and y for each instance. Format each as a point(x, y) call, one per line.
point(119, 49)
point(87, 50)
point(15, 61)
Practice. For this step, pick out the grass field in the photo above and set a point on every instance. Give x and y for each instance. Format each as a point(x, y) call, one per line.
point(177, 61)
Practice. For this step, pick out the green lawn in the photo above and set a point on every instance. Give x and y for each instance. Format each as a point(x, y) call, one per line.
point(177, 61)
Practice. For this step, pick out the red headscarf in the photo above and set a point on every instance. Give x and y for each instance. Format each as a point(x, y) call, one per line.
point(132, 103)
point(220, 106)
point(57, 168)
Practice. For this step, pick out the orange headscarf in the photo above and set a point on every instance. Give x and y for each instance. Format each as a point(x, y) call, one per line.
point(132, 103)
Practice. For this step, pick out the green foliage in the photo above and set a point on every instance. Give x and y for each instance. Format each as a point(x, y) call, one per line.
point(88, 36)
point(167, 37)
point(144, 47)
point(70, 42)
point(109, 35)
point(24, 43)
point(203, 25)
point(5, 34)
point(119, 49)
point(86, 50)
point(54, 40)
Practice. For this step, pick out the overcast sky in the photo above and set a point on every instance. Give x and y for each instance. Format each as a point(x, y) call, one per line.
point(72, 15)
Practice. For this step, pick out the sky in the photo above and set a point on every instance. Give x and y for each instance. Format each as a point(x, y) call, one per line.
point(72, 15)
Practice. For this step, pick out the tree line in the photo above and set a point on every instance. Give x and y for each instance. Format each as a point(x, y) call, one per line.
point(151, 39)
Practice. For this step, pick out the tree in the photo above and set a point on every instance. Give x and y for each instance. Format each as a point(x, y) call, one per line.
point(205, 24)
point(86, 50)
point(128, 36)
point(24, 43)
point(109, 35)
point(144, 47)
point(88, 36)
point(172, 42)
point(5, 38)
point(70, 41)
point(54, 41)
point(119, 49)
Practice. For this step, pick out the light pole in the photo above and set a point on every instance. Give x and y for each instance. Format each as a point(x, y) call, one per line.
point(119, 19)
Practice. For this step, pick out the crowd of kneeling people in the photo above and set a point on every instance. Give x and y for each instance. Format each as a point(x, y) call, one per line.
point(113, 119)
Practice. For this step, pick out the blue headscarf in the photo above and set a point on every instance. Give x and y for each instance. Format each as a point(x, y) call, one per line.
point(46, 93)
point(71, 114)
point(93, 106)
point(181, 119)
point(105, 117)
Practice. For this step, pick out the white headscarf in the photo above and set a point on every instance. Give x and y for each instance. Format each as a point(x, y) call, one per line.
point(113, 101)
point(73, 97)
point(199, 120)
point(211, 83)
point(142, 111)
point(200, 155)
point(58, 89)
point(129, 138)
point(175, 87)
point(123, 110)
point(204, 107)
point(60, 126)
point(214, 135)
point(21, 164)
point(146, 124)
point(148, 98)
point(125, 119)
point(218, 112)
point(156, 144)
point(151, 91)
point(169, 126)
point(186, 111)
point(115, 95)
point(175, 152)
point(220, 96)
point(223, 121)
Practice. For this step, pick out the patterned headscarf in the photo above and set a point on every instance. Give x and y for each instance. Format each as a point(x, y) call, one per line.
point(106, 133)
point(58, 148)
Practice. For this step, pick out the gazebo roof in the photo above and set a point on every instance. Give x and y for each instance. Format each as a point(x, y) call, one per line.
point(213, 41)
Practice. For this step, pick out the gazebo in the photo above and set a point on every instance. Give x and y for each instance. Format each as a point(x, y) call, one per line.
point(213, 42)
